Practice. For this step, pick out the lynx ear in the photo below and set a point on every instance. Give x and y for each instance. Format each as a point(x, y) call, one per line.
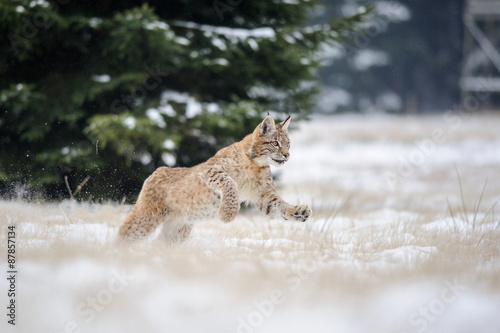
point(284, 125)
point(267, 125)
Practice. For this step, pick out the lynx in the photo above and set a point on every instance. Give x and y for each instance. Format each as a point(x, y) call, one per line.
point(178, 197)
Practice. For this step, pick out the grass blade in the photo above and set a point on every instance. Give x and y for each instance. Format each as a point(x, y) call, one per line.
point(476, 210)
point(466, 218)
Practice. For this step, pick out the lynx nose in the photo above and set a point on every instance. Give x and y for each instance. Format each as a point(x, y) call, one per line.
point(286, 155)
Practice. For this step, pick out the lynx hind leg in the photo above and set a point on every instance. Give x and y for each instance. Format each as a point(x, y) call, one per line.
point(175, 232)
point(139, 225)
point(225, 186)
point(150, 210)
point(148, 213)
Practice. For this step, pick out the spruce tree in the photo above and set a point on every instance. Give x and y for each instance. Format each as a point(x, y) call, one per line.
point(115, 89)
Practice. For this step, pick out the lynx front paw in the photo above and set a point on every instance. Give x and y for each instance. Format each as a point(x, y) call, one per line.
point(298, 213)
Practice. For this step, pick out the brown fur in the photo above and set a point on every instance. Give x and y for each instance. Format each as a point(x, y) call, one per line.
point(240, 172)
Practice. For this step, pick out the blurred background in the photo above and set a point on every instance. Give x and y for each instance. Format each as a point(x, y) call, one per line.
point(111, 89)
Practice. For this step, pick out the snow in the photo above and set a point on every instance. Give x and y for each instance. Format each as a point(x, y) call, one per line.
point(156, 25)
point(219, 43)
point(156, 114)
point(404, 254)
point(366, 58)
point(162, 26)
point(262, 91)
point(221, 62)
point(394, 10)
point(182, 41)
point(169, 159)
point(167, 110)
point(289, 39)
point(94, 22)
point(389, 101)
point(169, 144)
point(328, 52)
point(193, 107)
point(41, 3)
point(351, 8)
point(298, 35)
point(145, 158)
point(330, 99)
point(317, 27)
point(232, 34)
point(129, 122)
point(371, 259)
point(101, 78)
point(156, 118)
point(213, 108)
point(253, 44)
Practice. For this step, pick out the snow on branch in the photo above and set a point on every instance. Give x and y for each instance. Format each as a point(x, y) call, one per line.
point(233, 34)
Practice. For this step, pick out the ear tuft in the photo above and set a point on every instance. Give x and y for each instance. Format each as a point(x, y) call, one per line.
point(267, 125)
point(284, 125)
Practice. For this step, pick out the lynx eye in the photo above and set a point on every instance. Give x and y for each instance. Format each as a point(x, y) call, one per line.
point(276, 143)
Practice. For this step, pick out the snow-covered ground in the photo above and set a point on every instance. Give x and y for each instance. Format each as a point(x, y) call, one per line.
point(393, 246)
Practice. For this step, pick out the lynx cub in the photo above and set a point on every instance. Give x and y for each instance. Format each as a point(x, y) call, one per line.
point(237, 173)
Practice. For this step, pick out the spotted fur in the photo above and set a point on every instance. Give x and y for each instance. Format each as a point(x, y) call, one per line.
point(178, 197)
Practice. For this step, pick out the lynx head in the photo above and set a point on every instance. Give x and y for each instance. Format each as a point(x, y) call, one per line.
point(270, 142)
